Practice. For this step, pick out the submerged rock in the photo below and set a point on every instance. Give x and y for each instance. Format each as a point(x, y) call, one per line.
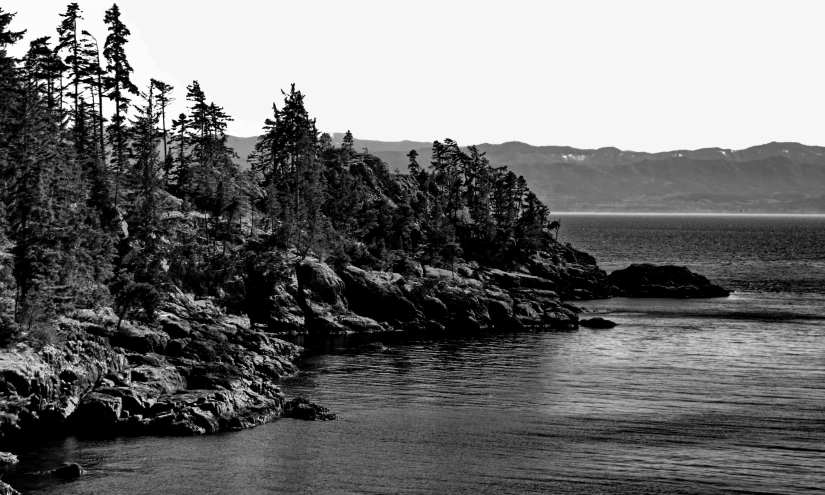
point(302, 408)
point(597, 322)
point(647, 280)
point(373, 346)
point(69, 471)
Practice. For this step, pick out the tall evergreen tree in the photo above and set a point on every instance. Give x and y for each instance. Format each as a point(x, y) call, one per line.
point(94, 78)
point(141, 276)
point(164, 98)
point(118, 85)
point(286, 156)
point(70, 42)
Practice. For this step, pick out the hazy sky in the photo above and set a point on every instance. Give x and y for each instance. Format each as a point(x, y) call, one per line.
point(639, 75)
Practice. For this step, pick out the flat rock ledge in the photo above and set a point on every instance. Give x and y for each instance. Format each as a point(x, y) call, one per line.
point(647, 280)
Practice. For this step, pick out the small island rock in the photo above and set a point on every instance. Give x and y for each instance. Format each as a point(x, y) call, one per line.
point(647, 280)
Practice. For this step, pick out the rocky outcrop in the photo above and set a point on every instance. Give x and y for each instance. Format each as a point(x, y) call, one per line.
point(39, 390)
point(647, 280)
point(574, 273)
point(314, 297)
point(6, 489)
point(199, 371)
point(465, 300)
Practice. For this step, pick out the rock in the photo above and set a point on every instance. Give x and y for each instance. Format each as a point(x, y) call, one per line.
point(302, 408)
point(69, 471)
point(441, 274)
point(527, 311)
point(205, 420)
point(8, 459)
point(373, 346)
point(574, 273)
point(176, 327)
point(165, 378)
point(97, 411)
point(408, 267)
point(211, 376)
point(175, 347)
point(597, 322)
point(320, 284)
point(647, 280)
point(511, 280)
point(139, 339)
point(6, 489)
point(377, 295)
point(500, 312)
point(360, 324)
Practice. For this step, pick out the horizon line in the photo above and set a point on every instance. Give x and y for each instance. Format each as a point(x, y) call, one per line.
point(583, 149)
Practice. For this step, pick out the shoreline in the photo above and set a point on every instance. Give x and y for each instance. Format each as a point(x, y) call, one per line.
point(203, 371)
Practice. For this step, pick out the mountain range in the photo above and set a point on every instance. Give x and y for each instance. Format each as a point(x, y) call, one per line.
point(769, 178)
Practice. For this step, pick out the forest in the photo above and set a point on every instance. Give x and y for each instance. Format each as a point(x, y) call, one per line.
point(109, 201)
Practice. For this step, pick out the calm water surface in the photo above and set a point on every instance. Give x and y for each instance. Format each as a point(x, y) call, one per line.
point(695, 396)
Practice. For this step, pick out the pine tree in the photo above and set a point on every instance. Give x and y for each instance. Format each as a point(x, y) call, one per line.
point(69, 41)
point(163, 100)
point(141, 276)
point(180, 168)
point(10, 107)
point(118, 85)
point(286, 156)
point(10, 93)
point(94, 79)
point(348, 145)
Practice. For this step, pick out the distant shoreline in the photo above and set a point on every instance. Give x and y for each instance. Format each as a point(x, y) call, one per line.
point(683, 214)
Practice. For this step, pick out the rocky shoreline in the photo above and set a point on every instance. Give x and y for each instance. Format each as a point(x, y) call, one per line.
point(200, 370)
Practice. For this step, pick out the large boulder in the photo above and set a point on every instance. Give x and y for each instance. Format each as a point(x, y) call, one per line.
point(97, 412)
point(378, 295)
point(175, 326)
point(320, 284)
point(647, 280)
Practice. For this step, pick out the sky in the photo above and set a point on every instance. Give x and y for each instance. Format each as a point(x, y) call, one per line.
point(637, 75)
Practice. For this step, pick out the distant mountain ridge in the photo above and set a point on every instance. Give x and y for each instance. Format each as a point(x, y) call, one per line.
point(768, 178)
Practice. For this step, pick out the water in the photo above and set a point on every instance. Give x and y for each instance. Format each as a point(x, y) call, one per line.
point(779, 253)
point(684, 396)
